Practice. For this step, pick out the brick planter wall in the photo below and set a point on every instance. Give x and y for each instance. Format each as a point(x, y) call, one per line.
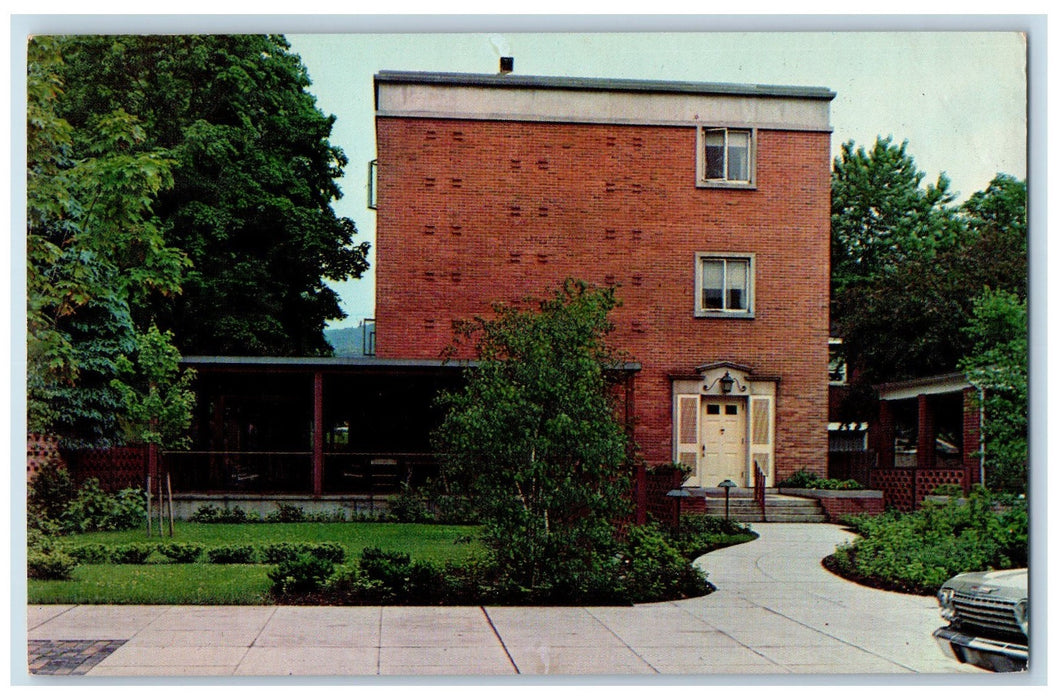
point(839, 503)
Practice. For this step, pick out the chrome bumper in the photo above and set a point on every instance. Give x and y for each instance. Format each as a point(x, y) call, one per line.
point(1002, 657)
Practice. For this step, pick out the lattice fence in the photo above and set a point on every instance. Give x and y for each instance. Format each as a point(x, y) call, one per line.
point(904, 488)
point(41, 450)
point(116, 468)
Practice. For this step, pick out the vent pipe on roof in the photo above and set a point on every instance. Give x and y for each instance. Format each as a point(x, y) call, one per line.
point(506, 64)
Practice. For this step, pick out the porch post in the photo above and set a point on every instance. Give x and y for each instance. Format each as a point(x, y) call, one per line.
point(927, 442)
point(880, 435)
point(317, 434)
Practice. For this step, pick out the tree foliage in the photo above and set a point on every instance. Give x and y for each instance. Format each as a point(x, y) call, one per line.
point(253, 181)
point(95, 250)
point(534, 440)
point(998, 365)
point(155, 394)
point(907, 265)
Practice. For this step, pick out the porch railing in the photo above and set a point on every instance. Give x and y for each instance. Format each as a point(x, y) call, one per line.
point(758, 490)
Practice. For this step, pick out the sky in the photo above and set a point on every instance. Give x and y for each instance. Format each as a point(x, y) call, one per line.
point(958, 98)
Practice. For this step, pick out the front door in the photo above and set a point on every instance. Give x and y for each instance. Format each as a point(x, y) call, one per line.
point(723, 440)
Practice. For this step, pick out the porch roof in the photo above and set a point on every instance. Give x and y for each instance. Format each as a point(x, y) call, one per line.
point(910, 388)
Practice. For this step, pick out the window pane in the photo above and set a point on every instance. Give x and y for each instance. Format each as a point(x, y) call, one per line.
point(714, 155)
point(713, 284)
point(731, 410)
point(738, 155)
point(737, 285)
point(713, 409)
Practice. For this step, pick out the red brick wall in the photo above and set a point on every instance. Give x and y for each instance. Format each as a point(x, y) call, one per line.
point(470, 212)
point(836, 507)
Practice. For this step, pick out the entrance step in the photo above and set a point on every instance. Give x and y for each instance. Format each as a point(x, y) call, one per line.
point(778, 508)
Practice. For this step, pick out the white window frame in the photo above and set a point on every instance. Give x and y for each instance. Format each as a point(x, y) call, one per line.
point(703, 181)
point(751, 307)
point(833, 344)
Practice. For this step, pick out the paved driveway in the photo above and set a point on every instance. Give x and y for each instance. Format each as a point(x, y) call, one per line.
point(776, 611)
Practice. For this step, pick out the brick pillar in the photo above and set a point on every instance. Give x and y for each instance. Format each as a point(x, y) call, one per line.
point(927, 436)
point(880, 436)
point(971, 436)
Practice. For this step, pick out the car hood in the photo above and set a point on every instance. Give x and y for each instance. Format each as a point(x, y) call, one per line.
point(1012, 584)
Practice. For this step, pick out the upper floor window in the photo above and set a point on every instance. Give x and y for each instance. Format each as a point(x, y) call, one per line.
point(836, 367)
point(725, 157)
point(725, 285)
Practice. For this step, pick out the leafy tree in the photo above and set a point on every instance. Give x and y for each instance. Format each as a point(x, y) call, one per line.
point(998, 365)
point(156, 396)
point(534, 440)
point(906, 265)
point(253, 180)
point(881, 215)
point(95, 250)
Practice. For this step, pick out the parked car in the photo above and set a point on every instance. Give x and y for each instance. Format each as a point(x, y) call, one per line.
point(988, 619)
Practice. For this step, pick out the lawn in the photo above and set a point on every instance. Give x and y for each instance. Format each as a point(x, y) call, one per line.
point(235, 584)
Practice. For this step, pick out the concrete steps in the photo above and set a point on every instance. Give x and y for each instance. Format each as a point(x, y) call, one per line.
point(778, 508)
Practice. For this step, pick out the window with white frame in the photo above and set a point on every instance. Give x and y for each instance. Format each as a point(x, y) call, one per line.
point(724, 285)
point(725, 157)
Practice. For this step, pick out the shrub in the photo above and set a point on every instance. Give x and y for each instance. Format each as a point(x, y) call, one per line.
point(304, 574)
point(286, 513)
point(800, 479)
point(277, 552)
point(231, 554)
point(331, 551)
point(652, 569)
point(699, 534)
point(918, 551)
point(50, 491)
point(180, 552)
point(950, 490)
point(53, 565)
point(392, 577)
point(410, 506)
point(133, 553)
point(91, 553)
point(92, 509)
point(212, 515)
point(803, 479)
point(44, 560)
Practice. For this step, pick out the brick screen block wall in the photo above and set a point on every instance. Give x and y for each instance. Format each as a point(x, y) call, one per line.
point(472, 212)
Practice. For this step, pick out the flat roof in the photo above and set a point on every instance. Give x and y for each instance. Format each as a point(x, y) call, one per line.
point(247, 361)
point(511, 80)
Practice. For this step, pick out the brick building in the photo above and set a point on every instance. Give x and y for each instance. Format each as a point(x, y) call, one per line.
point(707, 205)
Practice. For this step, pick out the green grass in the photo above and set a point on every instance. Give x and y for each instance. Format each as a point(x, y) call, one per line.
point(436, 543)
point(157, 584)
point(235, 584)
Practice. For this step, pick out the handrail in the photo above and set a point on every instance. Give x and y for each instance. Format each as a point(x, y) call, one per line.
point(758, 490)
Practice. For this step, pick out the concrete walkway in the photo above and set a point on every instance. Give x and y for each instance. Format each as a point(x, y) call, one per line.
point(776, 611)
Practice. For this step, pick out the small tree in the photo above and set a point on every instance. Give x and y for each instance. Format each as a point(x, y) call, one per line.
point(534, 440)
point(156, 395)
point(999, 366)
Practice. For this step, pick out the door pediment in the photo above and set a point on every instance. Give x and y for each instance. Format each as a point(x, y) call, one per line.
point(724, 378)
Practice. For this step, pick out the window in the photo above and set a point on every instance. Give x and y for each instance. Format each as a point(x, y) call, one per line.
point(725, 157)
point(836, 367)
point(372, 185)
point(725, 285)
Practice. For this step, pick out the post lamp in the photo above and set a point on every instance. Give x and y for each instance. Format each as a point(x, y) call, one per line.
point(727, 485)
point(679, 495)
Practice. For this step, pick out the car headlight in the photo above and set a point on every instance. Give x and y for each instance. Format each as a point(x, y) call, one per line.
point(947, 607)
point(1021, 614)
